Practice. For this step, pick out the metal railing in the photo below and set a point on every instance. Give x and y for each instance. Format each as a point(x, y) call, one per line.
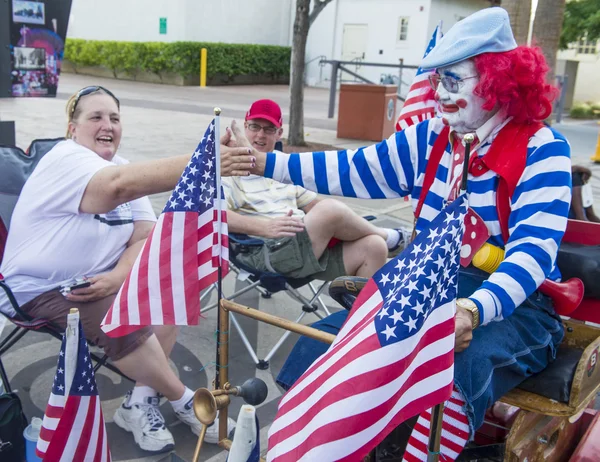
point(561, 83)
point(339, 66)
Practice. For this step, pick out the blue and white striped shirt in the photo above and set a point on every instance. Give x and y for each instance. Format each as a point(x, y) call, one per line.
point(396, 167)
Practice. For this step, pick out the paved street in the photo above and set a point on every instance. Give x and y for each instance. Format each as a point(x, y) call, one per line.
point(160, 121)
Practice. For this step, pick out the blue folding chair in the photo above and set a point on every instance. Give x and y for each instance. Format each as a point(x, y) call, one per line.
point(267, 283)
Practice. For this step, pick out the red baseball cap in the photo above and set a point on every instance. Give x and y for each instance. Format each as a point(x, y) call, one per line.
point(266, 109)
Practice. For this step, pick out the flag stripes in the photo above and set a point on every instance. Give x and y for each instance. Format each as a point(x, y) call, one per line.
point(454, 437)
point(392, 359)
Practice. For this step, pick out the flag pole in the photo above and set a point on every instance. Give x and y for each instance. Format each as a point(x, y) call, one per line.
point(437, 413)
point(217, 112)
point(71, 348)
point(469, 138)
point(222, 359)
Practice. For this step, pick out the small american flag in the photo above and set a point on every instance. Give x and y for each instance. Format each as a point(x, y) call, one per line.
point(393, 358)
point(420, 104)
point(181, 256)
point(73, 427)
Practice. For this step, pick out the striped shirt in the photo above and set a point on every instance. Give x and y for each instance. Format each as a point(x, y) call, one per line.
point(262, 197)
point(396, 167)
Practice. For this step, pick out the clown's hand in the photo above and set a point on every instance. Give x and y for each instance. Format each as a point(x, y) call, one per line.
point(463, 326)
point(238, 155)
point(236, 159)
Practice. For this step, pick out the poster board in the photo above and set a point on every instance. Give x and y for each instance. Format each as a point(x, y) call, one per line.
point(38, 30)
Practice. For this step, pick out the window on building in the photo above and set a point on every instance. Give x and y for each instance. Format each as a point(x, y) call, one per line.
point(587, 47)
point(402, 29)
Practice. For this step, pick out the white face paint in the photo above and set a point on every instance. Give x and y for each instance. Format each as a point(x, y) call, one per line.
point(462, 110)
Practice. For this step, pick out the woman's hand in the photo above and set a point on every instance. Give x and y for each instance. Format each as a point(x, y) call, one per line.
point(101, 286)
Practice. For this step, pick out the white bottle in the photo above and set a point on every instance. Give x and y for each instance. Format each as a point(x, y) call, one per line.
point(245, 436)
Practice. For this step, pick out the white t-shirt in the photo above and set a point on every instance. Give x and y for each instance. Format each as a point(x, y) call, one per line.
point(49, 241)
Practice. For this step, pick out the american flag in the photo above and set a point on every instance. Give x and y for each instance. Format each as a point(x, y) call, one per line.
point(420, 104)
point(181, 256)
point(73, 427)
point(393, 358)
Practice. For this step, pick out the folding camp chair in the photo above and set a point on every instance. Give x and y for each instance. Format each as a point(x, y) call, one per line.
point(266, 284)
point(15, 168)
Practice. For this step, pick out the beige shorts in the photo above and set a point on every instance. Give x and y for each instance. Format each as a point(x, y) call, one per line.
point(294, 258)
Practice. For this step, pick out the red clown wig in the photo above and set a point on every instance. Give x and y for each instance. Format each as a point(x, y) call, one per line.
point(516, 80)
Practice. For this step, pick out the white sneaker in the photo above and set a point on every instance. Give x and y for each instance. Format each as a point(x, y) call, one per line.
point(146, 423)
point(188, 417)
point(405, 238)
point(212, 432)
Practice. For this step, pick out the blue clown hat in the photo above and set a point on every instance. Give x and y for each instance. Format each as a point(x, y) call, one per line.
point(486, 31)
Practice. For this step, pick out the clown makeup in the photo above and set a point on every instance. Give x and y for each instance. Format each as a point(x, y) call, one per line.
point(462, 110)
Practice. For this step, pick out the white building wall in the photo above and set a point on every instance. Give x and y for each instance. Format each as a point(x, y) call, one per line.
point(382, 17)
point(127, 20)
point(264, 22)
point(586, 84)
point(452, 11)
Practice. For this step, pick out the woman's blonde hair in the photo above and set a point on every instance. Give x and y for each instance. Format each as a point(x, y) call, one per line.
point(73, 109)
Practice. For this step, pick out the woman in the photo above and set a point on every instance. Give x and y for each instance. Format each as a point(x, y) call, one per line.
point(83, 213)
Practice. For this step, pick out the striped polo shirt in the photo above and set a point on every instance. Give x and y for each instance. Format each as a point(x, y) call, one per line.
point(396, 167)
point(258, 196)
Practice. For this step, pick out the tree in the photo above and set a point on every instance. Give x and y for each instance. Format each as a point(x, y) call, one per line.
point(546, 24)
point(582, 21)
point(548, 21)
point(302, 23)
point(519, 12)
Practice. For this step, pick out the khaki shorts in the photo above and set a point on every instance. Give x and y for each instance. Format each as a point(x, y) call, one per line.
point(52, 305)
point(294, 258)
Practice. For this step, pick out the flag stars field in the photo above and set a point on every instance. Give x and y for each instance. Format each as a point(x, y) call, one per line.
point(400, 333)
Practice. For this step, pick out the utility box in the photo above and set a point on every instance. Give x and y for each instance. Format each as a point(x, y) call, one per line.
point(367, 112)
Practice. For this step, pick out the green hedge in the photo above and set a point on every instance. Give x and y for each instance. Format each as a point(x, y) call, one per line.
point(587, 110)
point(181, 58)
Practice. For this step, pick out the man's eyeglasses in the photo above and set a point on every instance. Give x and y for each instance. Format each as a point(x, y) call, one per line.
point(268, 129)
point(451, 84)
point(89, 90)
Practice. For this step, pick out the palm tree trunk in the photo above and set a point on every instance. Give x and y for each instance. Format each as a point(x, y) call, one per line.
point(546, 30)
point(519, 12)
point(301, 25)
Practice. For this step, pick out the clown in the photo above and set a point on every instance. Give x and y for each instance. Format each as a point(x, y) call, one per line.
point(519, 183)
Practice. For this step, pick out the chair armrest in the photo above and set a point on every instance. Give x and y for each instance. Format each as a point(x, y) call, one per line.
point(34, 324)
point(13, 301)
point(244, 239)
point(345, 289)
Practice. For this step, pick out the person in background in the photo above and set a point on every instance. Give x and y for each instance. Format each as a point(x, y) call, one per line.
point(582, 202)
point(304, 235)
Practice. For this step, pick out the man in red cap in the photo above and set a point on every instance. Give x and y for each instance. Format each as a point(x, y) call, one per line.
point(298, 227)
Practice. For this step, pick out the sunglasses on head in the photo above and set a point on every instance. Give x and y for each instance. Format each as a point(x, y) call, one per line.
point(88, 91)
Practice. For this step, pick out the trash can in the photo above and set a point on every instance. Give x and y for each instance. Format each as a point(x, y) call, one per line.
point(367, 112)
